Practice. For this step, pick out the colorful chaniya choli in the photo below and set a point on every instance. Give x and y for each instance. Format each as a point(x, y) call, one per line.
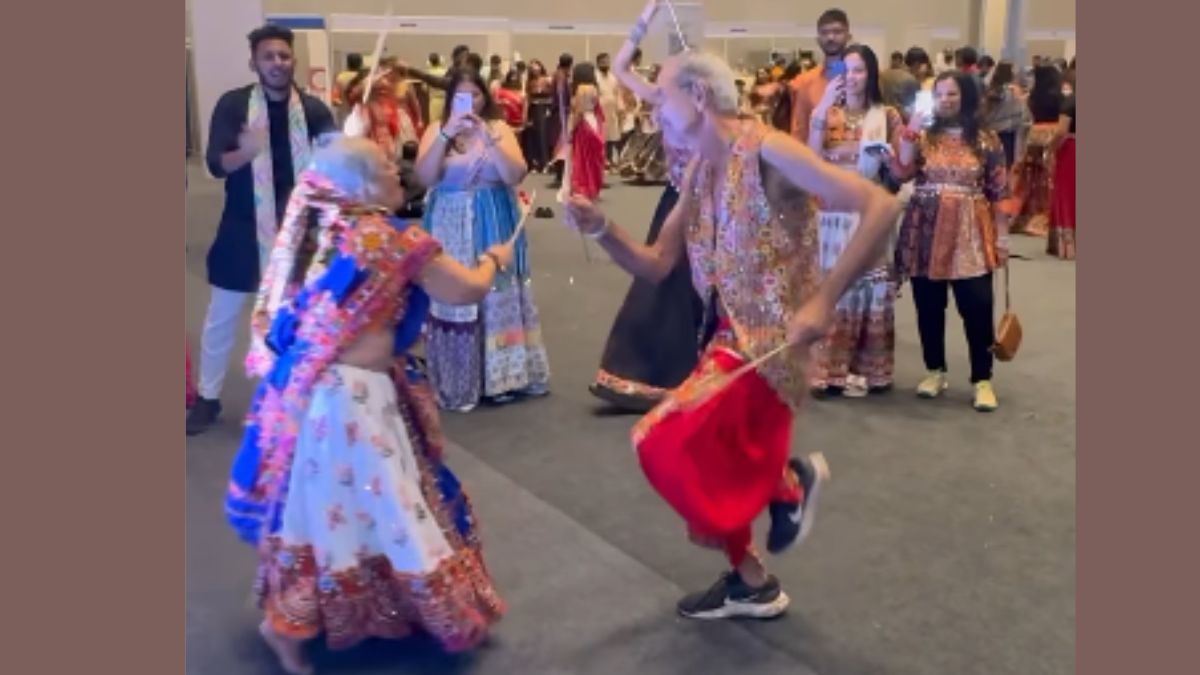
point(363, 531)
point(858, 353)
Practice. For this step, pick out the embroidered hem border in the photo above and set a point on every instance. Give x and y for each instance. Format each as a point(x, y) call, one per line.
point(455, 602)
point(621, 385)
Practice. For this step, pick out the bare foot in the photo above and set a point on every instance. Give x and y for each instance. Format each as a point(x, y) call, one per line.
point(291, 657)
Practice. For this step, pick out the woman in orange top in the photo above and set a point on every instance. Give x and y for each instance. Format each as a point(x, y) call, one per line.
point(954, 234)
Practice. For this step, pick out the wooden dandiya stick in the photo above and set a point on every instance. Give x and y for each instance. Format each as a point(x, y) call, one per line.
point(378, 53)
point(524, 218)
point(675, 21)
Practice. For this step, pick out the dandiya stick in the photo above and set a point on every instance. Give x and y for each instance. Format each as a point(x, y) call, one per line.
point(524, 218)
point(718, 383)
point(378, 53)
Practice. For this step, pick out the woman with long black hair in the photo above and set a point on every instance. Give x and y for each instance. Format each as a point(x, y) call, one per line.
point(492, 350)
point(1061, 240)
point(535, 140)
point(654, 342)
point(1033, 174)
point(954, 234)
point(852, 128)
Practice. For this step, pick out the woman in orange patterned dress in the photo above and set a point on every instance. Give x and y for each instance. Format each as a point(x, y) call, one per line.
point(954, 233)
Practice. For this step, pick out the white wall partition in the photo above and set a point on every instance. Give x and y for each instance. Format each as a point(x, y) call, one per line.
point(414, 38)
point(1052, 43)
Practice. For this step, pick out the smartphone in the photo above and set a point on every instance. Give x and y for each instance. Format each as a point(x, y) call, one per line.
point(835, 69)
point(463, 104)
point(924, 104)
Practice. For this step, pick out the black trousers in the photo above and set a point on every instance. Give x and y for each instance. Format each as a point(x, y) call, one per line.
point(612, 151)
point(1009, 140)
point(975, 300)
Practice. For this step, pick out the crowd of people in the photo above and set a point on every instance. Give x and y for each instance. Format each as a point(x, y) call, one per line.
point(383, 246)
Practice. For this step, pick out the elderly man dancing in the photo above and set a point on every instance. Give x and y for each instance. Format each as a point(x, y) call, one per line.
point(746, 220)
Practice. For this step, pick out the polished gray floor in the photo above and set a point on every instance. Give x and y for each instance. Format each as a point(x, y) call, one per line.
point(945, 544)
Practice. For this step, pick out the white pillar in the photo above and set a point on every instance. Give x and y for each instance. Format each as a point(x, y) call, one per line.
point(975, 23)
point(220, 52)
point(1014, 32)
point(1002, 30)
point(993, 20)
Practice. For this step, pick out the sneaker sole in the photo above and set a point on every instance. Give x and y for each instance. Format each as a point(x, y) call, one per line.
point(932, 394)
point(743, 610)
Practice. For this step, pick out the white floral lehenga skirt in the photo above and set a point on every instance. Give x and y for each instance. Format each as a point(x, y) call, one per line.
point(376, 537)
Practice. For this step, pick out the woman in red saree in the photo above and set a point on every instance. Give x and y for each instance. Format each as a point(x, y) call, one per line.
point(1061, 242)
point(586, 134)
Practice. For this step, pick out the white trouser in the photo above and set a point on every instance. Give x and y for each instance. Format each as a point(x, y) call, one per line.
point(220, 336)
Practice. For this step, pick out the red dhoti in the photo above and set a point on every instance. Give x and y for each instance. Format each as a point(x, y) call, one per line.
point(720, 463)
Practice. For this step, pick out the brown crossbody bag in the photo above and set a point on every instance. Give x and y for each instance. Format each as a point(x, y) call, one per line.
point(1008, 331)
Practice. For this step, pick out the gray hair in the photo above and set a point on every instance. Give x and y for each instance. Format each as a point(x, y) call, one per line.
point(350, 163)
point(700, 68)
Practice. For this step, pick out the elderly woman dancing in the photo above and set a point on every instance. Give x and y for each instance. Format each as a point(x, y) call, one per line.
point(363, 530)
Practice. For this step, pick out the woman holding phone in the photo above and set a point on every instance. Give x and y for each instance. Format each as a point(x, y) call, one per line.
point(852, 128)
point(954, 233)
point(492, 350)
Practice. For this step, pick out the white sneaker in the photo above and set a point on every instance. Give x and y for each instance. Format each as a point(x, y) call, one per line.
point(933, 385)
point(985, 397)
point(856, 387)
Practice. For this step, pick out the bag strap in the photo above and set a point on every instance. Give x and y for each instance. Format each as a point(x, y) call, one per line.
point(1007, 293)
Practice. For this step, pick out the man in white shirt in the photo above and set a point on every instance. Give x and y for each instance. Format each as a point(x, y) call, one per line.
point(611, 104)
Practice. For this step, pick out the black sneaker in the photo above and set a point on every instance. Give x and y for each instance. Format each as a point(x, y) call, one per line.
point(203, 415)
point(791, 523)
point(731, 598)
point(827, 393)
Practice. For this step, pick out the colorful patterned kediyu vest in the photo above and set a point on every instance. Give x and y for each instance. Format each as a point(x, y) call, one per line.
point(755, 241)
